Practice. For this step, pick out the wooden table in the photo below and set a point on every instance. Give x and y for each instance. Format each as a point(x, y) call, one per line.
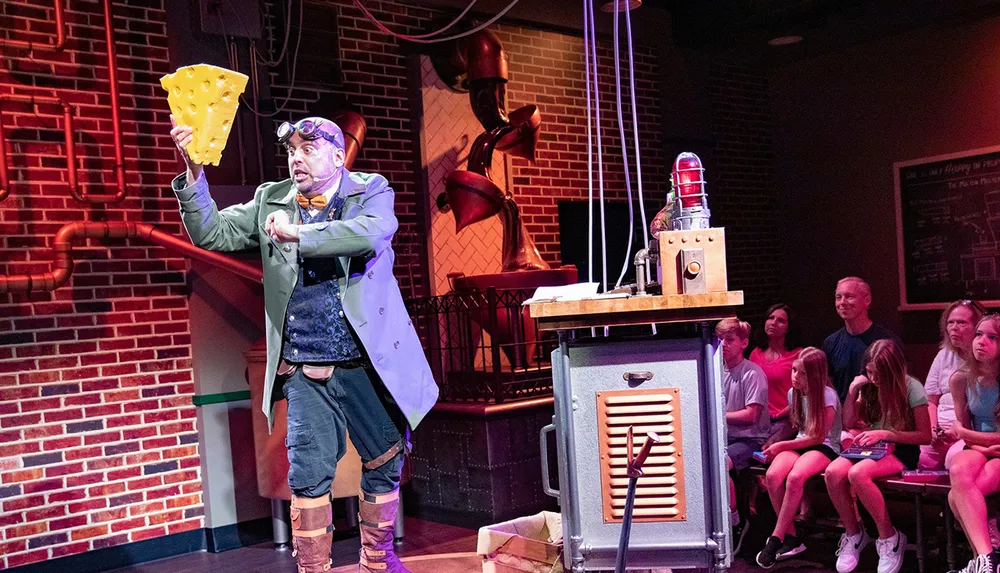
point(647, 309)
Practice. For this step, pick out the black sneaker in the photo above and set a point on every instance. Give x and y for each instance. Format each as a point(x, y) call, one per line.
point(768, 556)
point(790, 547)
point(739, 533)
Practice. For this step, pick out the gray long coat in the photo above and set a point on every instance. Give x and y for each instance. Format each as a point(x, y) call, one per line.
point(370, 294)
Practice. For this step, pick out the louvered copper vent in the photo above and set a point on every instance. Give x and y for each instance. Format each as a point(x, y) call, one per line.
point(659, 493)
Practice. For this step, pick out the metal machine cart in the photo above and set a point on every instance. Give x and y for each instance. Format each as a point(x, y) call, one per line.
point(670, 386)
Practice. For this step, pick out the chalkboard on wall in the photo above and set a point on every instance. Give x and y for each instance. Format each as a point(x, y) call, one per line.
point(948, 228)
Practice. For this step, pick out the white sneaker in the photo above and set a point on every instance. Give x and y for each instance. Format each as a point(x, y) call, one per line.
point(850, 550)
point(890, 553)
point(988, 563)
point(981, 564)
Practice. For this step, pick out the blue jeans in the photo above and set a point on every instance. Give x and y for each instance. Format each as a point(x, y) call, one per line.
point(319, 413)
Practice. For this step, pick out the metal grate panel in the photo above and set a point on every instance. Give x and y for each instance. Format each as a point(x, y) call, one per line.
point(660, 491)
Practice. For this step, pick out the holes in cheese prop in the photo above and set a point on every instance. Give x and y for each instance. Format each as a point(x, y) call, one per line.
point(206, 98)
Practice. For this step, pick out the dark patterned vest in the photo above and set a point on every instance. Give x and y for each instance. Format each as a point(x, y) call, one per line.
point(315, 328)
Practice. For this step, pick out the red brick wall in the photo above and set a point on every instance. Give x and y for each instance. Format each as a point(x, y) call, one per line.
point(97, 433)
point(742, 193)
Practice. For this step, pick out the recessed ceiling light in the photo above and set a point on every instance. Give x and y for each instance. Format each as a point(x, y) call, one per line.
point(609, 5)
point(784, 40)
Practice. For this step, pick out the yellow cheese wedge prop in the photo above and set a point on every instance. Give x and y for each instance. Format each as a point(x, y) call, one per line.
point(205, 97)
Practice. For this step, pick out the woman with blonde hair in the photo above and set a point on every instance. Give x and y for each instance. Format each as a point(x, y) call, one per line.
point(958, 327)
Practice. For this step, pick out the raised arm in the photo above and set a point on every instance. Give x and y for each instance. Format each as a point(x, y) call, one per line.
point(231, 229)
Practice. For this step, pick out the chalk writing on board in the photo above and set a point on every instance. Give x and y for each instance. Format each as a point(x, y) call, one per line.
point(948, 212)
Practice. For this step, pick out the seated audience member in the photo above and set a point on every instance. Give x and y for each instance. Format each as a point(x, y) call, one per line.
point(958, 327)
point(845, 348)
point(777, 350)
point(747, 422)
point(815, 415)
point(903, 420)
point(975, 471)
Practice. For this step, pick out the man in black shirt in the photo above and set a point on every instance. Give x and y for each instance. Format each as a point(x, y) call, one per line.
point(845, 349)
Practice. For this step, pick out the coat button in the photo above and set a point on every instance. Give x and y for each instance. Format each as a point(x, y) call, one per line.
point(291, 317)
point(341, 313)
point(371, 274)
point(381, 310)
point(409, 323)
point(287, 249)
point(395, 344)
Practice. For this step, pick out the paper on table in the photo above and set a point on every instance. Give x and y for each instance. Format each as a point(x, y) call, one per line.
point(578, 291)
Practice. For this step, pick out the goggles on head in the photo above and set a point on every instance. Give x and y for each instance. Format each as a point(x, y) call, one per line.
point(974, 305)
point(307, 129)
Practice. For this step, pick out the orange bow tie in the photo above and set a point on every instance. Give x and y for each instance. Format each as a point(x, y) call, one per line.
point(317, 202)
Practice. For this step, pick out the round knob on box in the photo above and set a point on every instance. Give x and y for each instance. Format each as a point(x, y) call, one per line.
point(693, 268)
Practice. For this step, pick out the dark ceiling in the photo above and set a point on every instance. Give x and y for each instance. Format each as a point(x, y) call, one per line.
point(744, 26)
point(741, 28)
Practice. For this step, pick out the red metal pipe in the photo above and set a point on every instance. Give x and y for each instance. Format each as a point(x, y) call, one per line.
point(60, 35)
point(116, 121)
point(71, 173)
point(62, 247)
point(74, 187)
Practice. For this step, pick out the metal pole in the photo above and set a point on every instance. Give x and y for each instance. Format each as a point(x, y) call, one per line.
point(712, 396)
point(280, 523)
point(566, 442)
point(634, 470)
point(626, 527)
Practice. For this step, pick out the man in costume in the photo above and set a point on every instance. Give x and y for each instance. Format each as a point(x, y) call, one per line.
point(341, 348)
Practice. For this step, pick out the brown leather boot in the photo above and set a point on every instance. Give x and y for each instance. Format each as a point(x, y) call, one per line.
point(377, 521)
point(312, 533)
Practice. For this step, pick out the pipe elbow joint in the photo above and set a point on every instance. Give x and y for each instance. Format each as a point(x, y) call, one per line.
point(486, 57)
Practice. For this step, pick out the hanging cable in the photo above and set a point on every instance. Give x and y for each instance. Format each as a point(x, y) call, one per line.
point(284, 45)
point(592, 56)
point(621, 134)
point(635, 134)
point(426, 36)
point(420, 39)
point(291, 85)
point(253, 43)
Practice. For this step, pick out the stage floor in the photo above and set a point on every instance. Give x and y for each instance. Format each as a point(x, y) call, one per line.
point(437, 548)
point(422, 538)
